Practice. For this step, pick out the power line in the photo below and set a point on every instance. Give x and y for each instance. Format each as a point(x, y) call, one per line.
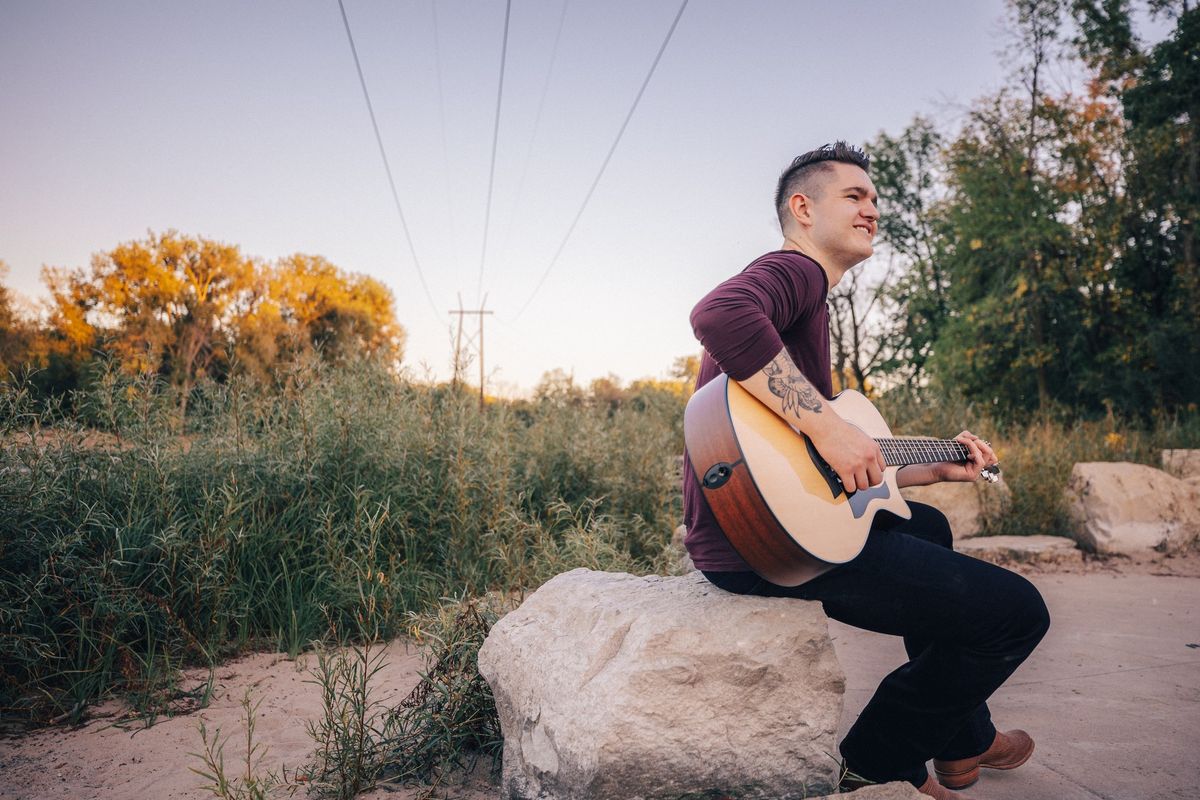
point(495, 139)
point(587, 198)
point(537, 122)
point(386, 166)
point(437, 60)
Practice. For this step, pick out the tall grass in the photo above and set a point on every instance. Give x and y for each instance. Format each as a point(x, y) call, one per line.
point(126, 540)
point(131, 543)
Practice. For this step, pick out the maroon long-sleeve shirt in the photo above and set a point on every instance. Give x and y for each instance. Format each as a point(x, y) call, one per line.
point(777, 301)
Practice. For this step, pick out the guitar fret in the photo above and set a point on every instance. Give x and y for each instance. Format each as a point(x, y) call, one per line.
point(901, 451)
point(904, 450)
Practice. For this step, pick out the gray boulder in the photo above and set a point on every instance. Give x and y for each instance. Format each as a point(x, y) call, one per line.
point(1118, 507)
point(896, 790)
point(611, 685)
point(1037, 549)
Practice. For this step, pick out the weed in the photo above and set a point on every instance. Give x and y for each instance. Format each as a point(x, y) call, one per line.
point(249, 783)
point(352, 723)
point(449, 720)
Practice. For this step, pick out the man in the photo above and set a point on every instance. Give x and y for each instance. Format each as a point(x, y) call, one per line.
point(967, 625)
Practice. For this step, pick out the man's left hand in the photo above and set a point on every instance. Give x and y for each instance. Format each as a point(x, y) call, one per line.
point(982, 456)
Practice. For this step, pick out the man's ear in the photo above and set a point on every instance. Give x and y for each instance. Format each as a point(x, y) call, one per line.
point(800, 206)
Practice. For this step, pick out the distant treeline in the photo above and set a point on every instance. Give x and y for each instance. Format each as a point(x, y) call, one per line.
point(186, 309)
point(1043, 252)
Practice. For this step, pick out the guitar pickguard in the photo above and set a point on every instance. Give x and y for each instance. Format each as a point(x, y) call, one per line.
point(861, 499)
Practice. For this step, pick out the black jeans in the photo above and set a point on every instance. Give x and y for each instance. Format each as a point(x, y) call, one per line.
point(967, 625)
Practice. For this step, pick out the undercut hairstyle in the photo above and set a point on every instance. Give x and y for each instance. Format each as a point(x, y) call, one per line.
point(804, 175)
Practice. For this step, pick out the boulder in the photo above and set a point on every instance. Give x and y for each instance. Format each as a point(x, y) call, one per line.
point(964, 504)
point(1182, 463)
point(896, 790)
point(1005, 550)
point(1131, 508)
point(611, 685)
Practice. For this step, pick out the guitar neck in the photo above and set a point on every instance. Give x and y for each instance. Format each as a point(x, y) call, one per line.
point(903, 450)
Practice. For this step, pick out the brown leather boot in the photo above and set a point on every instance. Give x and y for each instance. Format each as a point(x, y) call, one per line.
point(1009, 750)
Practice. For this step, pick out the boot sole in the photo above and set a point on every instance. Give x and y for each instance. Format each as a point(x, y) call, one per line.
point(958, 780)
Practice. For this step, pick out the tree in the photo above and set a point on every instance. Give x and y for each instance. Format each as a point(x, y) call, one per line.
point(187, 308)
point(304, 303)
point(908, 172)
point(1150, 362)
point(686, 369)
point(163, 305)
point(15, 333)
point(558, 387)
point(860, 329)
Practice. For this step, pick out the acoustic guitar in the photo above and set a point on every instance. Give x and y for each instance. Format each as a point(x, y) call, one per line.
point(779, 503)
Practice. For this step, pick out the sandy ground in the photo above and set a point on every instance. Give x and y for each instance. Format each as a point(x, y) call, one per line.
point(104, 759)
point(113, 757)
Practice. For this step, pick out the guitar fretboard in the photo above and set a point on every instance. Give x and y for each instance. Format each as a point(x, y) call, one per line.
point(899, 451)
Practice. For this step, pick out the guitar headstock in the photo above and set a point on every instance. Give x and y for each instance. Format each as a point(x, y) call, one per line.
point(991, 474)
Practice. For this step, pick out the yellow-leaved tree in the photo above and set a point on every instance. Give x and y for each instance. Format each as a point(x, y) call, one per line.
point(187, 307)
point(304, 303)
point(162, 305)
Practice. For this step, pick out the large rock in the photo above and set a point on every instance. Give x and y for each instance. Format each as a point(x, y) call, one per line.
point(1182, 463)
point(896, 790)
point(1005, 550)
point(1131, 508)
point(610, 685)
point(964, 504)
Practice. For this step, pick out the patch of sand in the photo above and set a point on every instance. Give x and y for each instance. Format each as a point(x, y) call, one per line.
point(100, 760)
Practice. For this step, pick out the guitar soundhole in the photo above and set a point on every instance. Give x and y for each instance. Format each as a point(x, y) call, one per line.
point(717, 475)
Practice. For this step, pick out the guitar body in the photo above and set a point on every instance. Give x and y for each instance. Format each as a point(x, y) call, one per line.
point(779, 505)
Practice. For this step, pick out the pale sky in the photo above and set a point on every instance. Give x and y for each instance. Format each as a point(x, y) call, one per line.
point(244, 122)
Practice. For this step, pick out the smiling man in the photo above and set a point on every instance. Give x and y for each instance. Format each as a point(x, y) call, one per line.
point(967, 625)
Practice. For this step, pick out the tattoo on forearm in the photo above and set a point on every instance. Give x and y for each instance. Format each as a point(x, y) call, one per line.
point(789, 385)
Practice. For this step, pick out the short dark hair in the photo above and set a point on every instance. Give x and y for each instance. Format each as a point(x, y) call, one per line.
point(798, 177)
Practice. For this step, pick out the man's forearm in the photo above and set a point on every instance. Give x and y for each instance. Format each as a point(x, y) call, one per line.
point(782, 387)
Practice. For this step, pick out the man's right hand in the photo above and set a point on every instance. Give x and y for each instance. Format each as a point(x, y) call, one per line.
point(852, 454)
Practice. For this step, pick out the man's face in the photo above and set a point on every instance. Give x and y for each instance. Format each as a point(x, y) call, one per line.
point(844, 216)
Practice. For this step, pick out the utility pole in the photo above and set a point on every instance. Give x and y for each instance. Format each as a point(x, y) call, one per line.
point(473, 340)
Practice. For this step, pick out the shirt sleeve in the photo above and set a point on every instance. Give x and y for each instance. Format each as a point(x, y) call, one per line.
point(739, 322)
